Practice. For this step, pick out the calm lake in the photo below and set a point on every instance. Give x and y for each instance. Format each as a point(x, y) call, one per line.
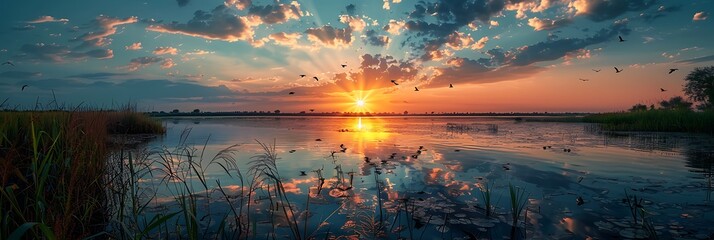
point(427, 178)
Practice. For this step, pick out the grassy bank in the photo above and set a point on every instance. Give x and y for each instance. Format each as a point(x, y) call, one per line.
point(52, 167)
point(656, 121)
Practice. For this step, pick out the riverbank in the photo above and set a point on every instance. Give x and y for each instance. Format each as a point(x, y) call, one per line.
point(655, 121)
point(53, 170)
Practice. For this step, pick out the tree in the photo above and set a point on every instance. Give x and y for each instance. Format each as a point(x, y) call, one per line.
point(277, 111)
point(196, 110)
point(638, 108)
point(175, 111)
point(676, 103)
point(699, 87)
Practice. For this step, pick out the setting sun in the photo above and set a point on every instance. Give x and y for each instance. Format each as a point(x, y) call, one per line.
point(360, 103)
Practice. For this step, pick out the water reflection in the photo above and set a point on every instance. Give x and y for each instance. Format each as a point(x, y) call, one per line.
point(427, 176)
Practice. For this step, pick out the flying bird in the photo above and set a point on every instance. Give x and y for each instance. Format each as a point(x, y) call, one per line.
point(316, 79)
point(597, 70)
point(395, 82)
point(23, 87)
point(302, 173)
point(291, 93)
point(416, 89)
point(662, 90)
point(302, 75)
point(584, 80)
point(671, 70)
point(343, 65)
point(8, 63)
point(617, 70)
point(451, 85)
point(621, 40)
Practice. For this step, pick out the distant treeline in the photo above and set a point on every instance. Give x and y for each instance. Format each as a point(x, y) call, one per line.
point(264, 113)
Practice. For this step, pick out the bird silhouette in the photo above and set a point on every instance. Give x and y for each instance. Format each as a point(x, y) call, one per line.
point(580, 201)
point(343, 65)
point(617, 70)
point(662, 90)
point(395, 82)
point(302, 173)
point(302, 75)
point(671, 70)
point(316, 79)
point(451, 85)
point(416, 89)
point(621, 40)
point(584, 79)
point(8, 63)
point(291, 93)
point(23, 87)
point(597, 70)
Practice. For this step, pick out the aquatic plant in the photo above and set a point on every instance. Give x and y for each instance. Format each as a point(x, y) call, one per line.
point(658, 120)
point(519, 199)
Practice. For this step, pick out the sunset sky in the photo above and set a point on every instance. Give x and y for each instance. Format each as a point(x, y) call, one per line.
point(235, 55)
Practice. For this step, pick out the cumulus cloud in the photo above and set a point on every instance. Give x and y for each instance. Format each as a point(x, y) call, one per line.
point(220, 24)
point(104, 27)
point(165, 50)
point(601, 10)
point(168, 63)
point(375, 39)
point(547, 24)
point(279, 13)
point(45, 19)
point(134, 46)
point(239, 4)
point(700, 16)
point(458, 41)
point(285, 39)
point(330, 37)
point(141, 62)
point(466, 71)
point(59, 53)
point(357, 24)
point(394, 27)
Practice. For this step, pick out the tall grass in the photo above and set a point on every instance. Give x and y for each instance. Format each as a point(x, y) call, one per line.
point(658, 120)
point(52, 168)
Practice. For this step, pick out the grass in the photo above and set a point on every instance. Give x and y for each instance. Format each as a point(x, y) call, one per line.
point(658, 120)
point(52, 168)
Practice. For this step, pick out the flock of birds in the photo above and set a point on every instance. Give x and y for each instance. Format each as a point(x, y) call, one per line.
point(618, 70)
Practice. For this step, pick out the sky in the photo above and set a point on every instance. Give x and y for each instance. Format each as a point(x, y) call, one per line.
point(248, 55)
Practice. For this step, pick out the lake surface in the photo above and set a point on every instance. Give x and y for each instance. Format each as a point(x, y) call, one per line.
point(427, 176)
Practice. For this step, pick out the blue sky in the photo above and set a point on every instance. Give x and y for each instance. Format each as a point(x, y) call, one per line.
point(517, 55)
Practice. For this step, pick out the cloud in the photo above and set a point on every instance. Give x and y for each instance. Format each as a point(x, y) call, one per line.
point(467, 71)
point(141, 62)
point(23, 28)
point(602, 10)
point(198, 52)
point(700, 16)
point(285, 39)
point(351, 9)
point(698, 60)
point(220, 24)
point(168, 63)
point(45, 19)
point(357, 24)
point(458, 41)
point(134, 46)
point(20, 74)
point(105, 27)
point(330, 37)
point(394, 27)
point(547, 24)
point(165, 50)
point(59, 53)
point(374, 39)
point(239, 4)
point(661, 12)
point(99, 75)
point(279, 13)
point(182, 3)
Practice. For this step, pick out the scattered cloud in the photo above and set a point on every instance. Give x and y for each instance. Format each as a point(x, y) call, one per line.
point(700, 16)
point(394, 27)
point(165, 50)
point(141, 62)
point(219, 24)
point(330, 36)
point(134, 46)
point(45, 19)
point(285, 39)
point(239, 4)
point(602, 10)
point(58, 53)
point(698, 60)
point(547, 24)
point(20, 74)
point(357, 24)
point(105, 26)
point(375, 39)
point(279, 13)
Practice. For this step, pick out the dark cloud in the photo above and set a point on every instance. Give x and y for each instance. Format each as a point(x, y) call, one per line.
point(351, 9)
point(99, 75)
point(220, 24)
point(329, 36)
point(698, 60)
point(279, 13)
point(555, 49)
point(20, 74)
point(662, 11)
point(141, 62)
point(602, 10)
point(375, 39)
point(59, 53)
point(182, 3)
point(467, 71)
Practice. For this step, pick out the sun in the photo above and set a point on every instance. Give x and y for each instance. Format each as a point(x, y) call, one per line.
point(360, 103)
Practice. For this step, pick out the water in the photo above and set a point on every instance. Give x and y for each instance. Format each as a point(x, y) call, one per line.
point(437, 193)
